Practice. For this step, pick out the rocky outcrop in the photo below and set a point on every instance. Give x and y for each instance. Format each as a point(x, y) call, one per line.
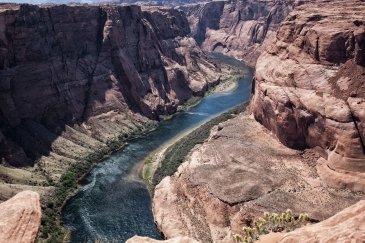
point(237, 28)
point(20, 218)
point(235, 177)
point(308, 92)
point(139, 239)
point(74, 79)
point(309, 87)
point(346, 226)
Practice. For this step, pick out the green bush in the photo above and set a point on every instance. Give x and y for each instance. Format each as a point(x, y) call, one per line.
point(271, 223)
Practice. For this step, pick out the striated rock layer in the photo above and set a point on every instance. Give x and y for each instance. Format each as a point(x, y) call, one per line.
point(308, 92)
point(237, 28)
point(235, 177)
point(310, 85)
point(75, 78)
point(20, 218)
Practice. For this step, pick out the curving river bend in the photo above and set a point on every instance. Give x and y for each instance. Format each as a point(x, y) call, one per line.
point(114, 203)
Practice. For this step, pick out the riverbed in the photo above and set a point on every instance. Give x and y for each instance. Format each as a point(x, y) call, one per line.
point(114, 203)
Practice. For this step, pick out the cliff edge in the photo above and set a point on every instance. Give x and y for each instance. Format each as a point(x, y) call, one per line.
point(20, 218)
point(309, 87)
point(308, 93)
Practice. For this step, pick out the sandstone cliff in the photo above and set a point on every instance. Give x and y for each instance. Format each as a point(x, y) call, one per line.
point(237, 28)
point(310, 85)
point(309, 93)
point(234, 177)
point(73, 78)
point(20, 218)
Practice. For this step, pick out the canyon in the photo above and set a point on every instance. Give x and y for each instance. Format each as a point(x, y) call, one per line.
point(300, 144)
point(75, 80)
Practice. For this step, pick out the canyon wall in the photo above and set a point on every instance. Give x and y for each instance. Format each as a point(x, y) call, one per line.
point(310, 85)
point(309, 155)
point(237, 28)
point(75, 78)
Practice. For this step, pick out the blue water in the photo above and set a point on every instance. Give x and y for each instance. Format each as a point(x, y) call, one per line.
point(115, 204)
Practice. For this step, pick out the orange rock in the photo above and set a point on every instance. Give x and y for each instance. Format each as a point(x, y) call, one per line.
point(20, 218)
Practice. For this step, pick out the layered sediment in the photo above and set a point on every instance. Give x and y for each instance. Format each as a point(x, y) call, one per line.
point(75, 80)
point(309, 87)
point(309, 154)
point(237, 28)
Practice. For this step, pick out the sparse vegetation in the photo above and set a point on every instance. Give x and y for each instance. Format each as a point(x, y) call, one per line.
point(271, 222)
point(51, 229)
point(176, 153)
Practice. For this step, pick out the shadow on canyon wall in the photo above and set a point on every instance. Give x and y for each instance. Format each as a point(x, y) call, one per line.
point(62, 66)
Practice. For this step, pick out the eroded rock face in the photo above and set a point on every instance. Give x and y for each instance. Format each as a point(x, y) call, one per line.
point(235, 177)
point(73, 78)
point(310, 83)
point(139, 239)
point(237, 28)
point(20, 218)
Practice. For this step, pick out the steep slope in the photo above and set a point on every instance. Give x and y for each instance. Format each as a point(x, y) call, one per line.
point(78, 79)
point(237, 28)
point(310, 86)
point(308, 93)
point(20, 218)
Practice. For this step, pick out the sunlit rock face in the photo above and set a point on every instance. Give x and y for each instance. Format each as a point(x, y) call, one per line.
point(20, 218)
point(239, 173)
point(74, 77)
point(309, 87)
point(308, 93)
point(237, 28)
point(347, 225)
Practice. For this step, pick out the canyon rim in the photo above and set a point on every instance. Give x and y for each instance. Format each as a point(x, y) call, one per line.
point(78, 81)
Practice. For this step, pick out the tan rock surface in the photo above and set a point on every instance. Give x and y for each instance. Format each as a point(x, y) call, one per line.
point(235, 177)
point(139, 239)
point(20, 218)
point(346, 226)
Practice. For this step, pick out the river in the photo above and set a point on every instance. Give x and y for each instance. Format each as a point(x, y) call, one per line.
point(114, 203)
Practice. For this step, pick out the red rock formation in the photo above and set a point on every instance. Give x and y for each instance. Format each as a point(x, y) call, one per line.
point(309, 87)
point(74, 77)
point(239, 173)
point(237, 28)
point(20, 218)
point(139, 239)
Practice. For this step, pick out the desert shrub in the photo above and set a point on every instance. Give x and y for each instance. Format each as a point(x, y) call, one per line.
point(271, 222)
